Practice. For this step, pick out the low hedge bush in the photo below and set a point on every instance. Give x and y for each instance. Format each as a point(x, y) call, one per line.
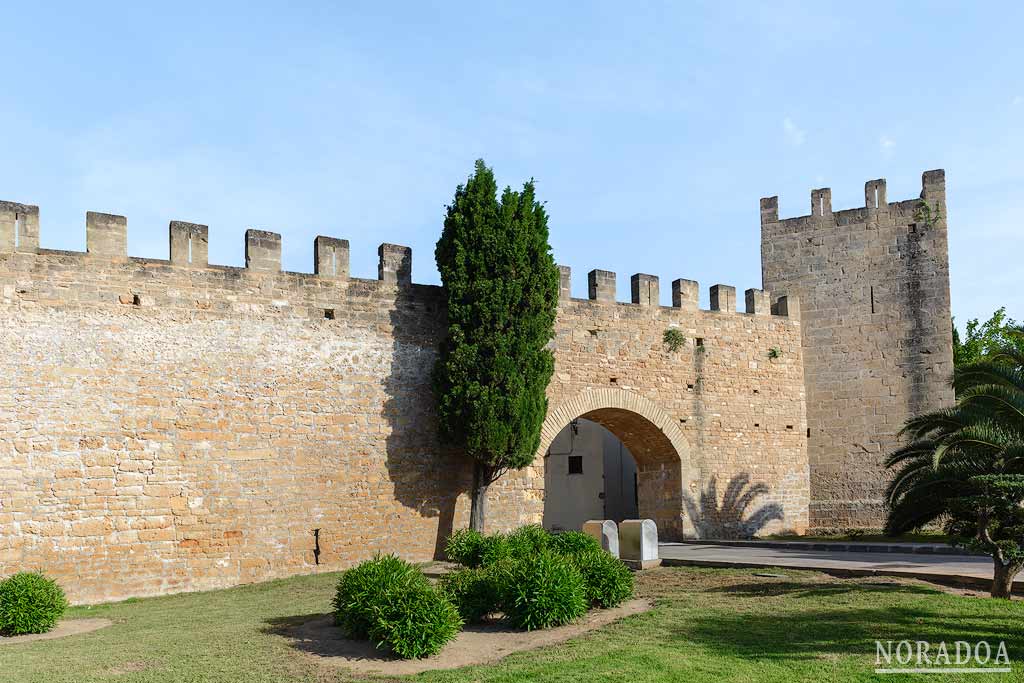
point(465, 546)
point(391, 602)
point(494, 549)
point(415, 622)
point(30, 603)
point(572, 542)
point(474, 592)
point(538, 579)
point(540, 591)
point(609, 582)
point(472, 549)
point(528, 540)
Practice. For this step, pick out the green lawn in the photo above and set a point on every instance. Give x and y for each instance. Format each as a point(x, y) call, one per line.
point(709, 625)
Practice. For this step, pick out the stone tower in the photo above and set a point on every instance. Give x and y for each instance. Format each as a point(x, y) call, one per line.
point(873, 287)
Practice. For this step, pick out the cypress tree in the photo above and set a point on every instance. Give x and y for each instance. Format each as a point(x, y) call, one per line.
point(501, 284)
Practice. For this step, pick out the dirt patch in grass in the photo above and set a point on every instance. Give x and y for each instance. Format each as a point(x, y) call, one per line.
point(128, 668)
point(68, 627)
point(319, 638)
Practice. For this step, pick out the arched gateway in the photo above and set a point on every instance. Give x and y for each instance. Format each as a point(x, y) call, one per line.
point(664, 468)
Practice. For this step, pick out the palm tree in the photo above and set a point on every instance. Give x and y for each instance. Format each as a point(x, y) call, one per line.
point(964, 466)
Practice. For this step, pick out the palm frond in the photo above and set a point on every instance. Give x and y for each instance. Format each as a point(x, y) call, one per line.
point(982, 435)
point(1008, 372)
point(915, 449)
point(1013, 455)
point(923, 503)
point(995, 400)
point(947, 419)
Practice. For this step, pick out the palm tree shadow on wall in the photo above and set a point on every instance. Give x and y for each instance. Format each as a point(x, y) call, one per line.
point(731, 518)
point(426, 476)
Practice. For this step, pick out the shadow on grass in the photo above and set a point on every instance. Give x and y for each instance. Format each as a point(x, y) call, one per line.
point(317, 634)
point(795, 589)
point(782, 628)
point(818, 634)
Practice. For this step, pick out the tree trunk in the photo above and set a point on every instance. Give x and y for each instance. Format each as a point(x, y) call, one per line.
point(478, 508)
point(1002, 578)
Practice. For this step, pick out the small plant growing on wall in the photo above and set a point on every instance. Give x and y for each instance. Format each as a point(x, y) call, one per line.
point(927, 215)
point(673, 339)
point(774, 352)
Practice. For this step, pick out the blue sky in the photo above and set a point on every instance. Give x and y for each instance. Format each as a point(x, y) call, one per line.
point(652, 129)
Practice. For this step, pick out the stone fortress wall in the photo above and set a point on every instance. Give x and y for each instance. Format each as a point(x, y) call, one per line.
point(873, 285)
point(171, 425)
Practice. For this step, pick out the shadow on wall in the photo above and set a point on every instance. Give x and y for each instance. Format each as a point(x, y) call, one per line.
point(427, 477)
point(729, 519)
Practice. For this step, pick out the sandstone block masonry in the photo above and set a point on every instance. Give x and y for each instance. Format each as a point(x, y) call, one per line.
point(873, 285)
point(171, 425)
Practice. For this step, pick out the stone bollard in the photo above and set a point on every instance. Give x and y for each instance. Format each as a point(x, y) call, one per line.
point(638, 543)
point(606, 532)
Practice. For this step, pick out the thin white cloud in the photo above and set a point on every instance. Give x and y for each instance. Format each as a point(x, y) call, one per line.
point(1017, 100)
point(793, 133)
point(887, 145)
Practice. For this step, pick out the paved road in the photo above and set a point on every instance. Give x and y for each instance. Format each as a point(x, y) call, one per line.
point(965, 569)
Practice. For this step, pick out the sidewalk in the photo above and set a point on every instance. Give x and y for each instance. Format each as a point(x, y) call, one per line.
point(848, 546)
point(973, 570)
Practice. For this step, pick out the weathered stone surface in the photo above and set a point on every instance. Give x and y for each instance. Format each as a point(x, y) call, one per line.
point(106, 235)
point(189, 244)
point(714, 414)
point(183, 426)
point(874, 304)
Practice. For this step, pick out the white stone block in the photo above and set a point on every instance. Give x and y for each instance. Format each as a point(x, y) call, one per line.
point(638, 540)
point(606, 532)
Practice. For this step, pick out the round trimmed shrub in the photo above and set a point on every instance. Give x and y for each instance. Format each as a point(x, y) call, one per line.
point(465, 547)
point(541, 591)
point(365, 588)
point(608, 580)
point(30, 603)
point(474, 593)
point(415, 622)
point(573, 542)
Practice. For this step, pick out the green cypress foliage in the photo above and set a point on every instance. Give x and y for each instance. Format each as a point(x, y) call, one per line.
point(501, 284)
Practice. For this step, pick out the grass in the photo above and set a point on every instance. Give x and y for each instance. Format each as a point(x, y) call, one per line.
point(709, 625)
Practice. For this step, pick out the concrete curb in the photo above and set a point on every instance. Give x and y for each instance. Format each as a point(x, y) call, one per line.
point(841, 546)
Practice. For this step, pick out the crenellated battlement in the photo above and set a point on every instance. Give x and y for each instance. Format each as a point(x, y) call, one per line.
point(189, 244)
point(107, 238)
point(19, 227)
point(876, 203)
point(645, 291)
